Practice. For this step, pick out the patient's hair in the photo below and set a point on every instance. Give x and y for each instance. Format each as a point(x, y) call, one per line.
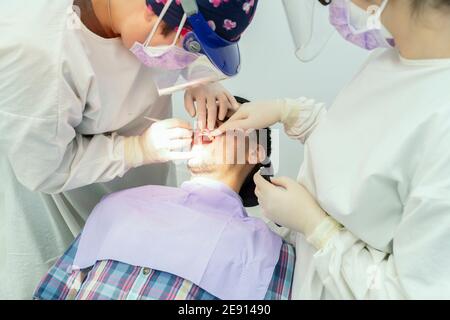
point(247, 192)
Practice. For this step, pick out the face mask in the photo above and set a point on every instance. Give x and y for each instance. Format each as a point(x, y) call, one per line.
point(359, 27)
point(169, 57)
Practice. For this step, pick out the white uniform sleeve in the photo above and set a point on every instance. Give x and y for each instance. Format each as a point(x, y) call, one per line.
point(50, 157)
point(301, 117)
point(41, 105)
point(419, 266)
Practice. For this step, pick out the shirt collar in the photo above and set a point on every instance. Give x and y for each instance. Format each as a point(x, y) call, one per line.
point(216, 185)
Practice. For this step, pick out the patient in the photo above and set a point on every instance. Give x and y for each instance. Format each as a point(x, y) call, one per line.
point(190, 243)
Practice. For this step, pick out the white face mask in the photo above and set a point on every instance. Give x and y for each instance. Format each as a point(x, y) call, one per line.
point(358, 17)
point(360, 20)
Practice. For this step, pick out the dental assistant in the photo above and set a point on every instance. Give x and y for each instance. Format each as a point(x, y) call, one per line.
point(76, 91)
point(371, 207)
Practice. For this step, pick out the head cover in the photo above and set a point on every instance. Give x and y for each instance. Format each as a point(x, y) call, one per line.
point(227, 18)
point(214, 29)
point(360, 27)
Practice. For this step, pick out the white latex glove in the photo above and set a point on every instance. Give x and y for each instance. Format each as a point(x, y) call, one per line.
point(209, 103)
point(164, 141)
point(255, 115)
point(289, 204)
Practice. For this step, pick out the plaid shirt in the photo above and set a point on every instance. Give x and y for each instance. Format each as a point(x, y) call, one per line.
point(112, 280)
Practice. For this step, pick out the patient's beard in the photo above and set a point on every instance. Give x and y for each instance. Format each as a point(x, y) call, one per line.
point(203, 169)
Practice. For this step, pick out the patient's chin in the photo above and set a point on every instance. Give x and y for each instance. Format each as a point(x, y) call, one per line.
point(198, 165)
point(202, 169)
point(206, 158)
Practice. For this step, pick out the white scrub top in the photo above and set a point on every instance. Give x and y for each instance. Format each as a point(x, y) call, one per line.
point(67, 99)
point(379, 163)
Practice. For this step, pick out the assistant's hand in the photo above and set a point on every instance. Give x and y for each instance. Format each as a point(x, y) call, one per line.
point(164, 141)
point(289, 204)
point(254, 115)
point(209, 103)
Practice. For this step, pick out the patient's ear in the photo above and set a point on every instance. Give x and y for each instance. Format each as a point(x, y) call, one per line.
point(257, 155)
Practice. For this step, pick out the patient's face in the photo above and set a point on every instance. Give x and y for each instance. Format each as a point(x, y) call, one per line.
point(223, 152)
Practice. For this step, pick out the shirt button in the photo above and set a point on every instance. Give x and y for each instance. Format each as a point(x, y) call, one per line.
point(146, 271)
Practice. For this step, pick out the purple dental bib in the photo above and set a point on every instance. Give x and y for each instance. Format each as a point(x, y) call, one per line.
point(199, 232)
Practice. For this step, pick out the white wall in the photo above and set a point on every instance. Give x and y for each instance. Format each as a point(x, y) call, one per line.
point(271, 70)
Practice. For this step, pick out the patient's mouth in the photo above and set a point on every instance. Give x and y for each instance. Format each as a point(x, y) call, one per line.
point(207, 139)
point(202, 137)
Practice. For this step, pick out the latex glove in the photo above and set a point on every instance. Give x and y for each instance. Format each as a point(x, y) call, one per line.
point(255, 115)
point(289, 204)
point(209, 103)
point(164, 141)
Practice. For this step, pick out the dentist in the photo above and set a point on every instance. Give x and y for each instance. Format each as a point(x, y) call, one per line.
point(77, 81)
point(371, 207)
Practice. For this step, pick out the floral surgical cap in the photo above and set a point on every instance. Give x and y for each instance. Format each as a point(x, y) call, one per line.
point(228, 18)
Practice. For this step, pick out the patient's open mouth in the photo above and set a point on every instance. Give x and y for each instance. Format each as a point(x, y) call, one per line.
point(203, 137)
